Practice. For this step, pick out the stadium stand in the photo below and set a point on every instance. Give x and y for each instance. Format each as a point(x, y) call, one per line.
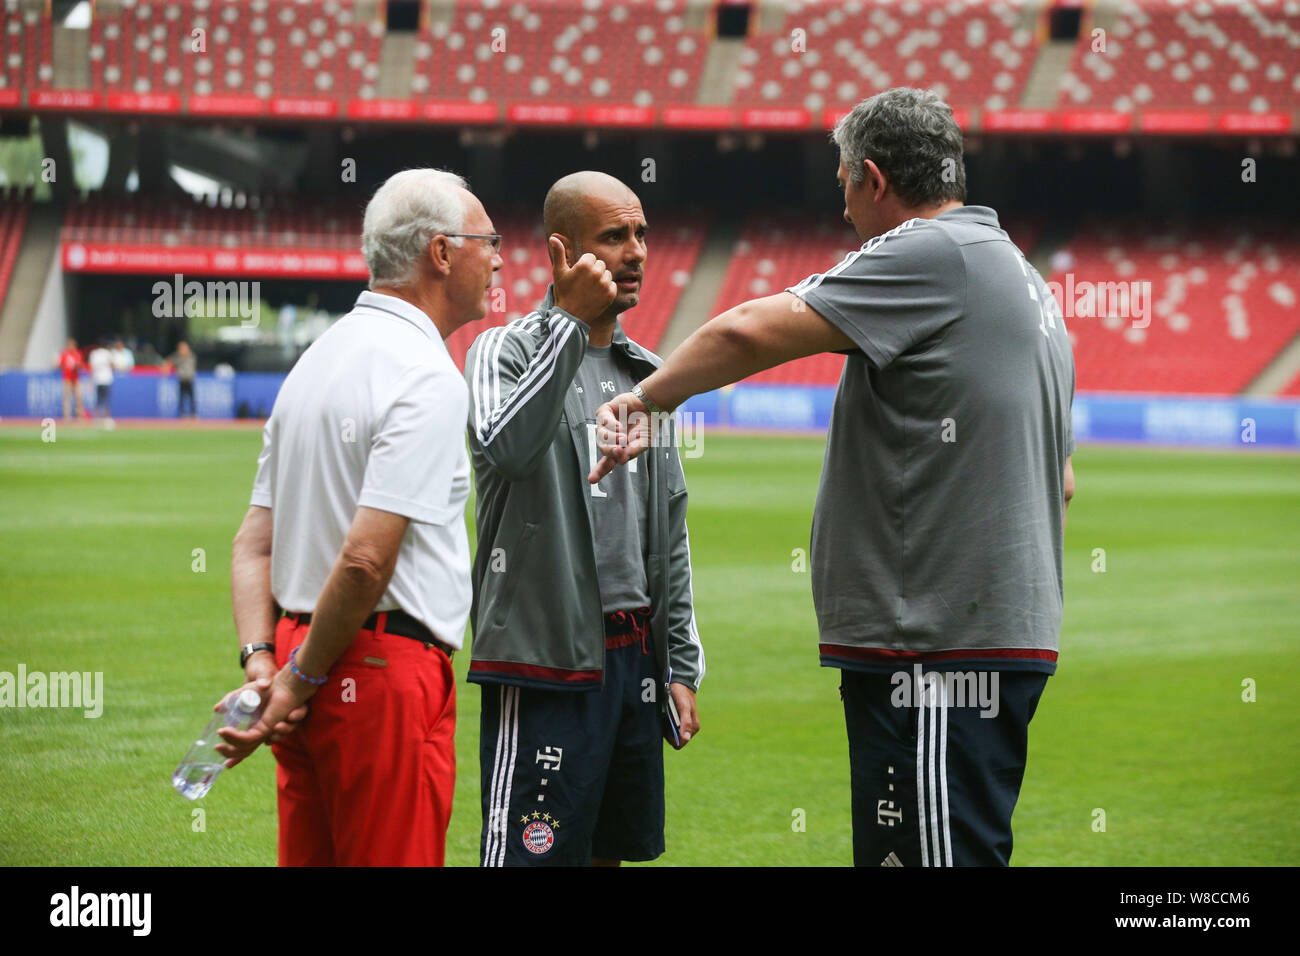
point(298, 223)
point(322, 57)
point(1210, 54)
point(175, 221)
point(580, 51)
point(973, 52)
point(1223, 296)
point(28, 52)
point(248, 48)
point(1291, 389)
point(776, 249)
point(1222, 304)
point(14, 207)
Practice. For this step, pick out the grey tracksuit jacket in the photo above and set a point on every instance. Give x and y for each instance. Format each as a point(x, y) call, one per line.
point(536, 616)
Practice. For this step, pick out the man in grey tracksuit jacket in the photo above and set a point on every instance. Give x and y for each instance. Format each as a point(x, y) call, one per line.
point(567, 706)
point(537, 615)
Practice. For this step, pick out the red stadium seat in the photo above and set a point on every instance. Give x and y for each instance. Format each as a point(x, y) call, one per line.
point(235, 48)
point(579, 51)
point(1205, 54)
point(27, 48)
point(777, 249)
point(15, 203)
point(175, 221)
point(972, 52)
point(1170, 54)
point(1224, 301)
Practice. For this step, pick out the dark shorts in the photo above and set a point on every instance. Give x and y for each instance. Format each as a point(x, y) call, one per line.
point(102, 395)
point(571, 775)
point(934, 780)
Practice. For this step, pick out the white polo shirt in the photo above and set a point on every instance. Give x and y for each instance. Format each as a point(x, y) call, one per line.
point(373, 414)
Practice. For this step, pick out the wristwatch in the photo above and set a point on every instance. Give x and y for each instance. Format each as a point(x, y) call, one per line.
point(645, 399)
point(248, 650)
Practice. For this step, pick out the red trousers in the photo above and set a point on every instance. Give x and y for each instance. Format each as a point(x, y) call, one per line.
point(367, 779)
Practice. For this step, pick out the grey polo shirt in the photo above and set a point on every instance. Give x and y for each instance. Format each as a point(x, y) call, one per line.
point(937, 532)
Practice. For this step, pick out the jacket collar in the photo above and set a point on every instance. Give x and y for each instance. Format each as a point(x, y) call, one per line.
point(620, 341)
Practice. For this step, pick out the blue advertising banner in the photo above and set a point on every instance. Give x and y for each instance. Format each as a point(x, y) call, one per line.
point(244, 395)
point(1201, 421)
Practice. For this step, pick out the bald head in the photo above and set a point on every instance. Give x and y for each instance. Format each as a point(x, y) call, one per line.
point(570, 201)
point(593, 212)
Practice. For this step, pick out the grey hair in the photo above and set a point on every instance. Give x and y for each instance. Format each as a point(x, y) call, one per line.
point(404, 214)
point(911, 135)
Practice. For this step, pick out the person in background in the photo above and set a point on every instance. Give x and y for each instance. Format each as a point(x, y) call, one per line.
point(185, 365)
point(101, 372)
point(149, 355)
point(123, 358)
point(287, 319)
point(70, 366)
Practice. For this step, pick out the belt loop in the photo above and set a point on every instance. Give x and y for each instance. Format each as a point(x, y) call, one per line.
point(380, 624)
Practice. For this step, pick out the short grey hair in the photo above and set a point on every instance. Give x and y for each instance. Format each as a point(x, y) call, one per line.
point(911, 135)
point(404, 214)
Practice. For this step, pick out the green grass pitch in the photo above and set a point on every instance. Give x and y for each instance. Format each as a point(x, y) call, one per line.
point(1145, 719)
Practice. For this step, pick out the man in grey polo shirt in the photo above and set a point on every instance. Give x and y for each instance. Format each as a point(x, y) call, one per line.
point(937, 534)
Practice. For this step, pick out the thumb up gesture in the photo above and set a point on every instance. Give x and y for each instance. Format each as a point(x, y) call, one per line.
point(584, 289)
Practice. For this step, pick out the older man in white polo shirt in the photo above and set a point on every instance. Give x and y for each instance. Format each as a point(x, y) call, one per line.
point(357, 532)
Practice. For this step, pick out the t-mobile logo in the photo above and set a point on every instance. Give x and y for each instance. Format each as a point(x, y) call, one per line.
point(550, 757)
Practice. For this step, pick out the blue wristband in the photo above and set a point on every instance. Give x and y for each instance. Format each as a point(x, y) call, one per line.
point(293, 666)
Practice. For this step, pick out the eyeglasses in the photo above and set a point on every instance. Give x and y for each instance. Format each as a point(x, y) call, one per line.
point(494, 240)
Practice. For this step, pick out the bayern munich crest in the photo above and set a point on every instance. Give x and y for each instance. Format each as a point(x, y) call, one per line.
point(538, 837)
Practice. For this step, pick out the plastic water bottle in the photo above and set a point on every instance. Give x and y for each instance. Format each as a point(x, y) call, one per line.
point(198, 771)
